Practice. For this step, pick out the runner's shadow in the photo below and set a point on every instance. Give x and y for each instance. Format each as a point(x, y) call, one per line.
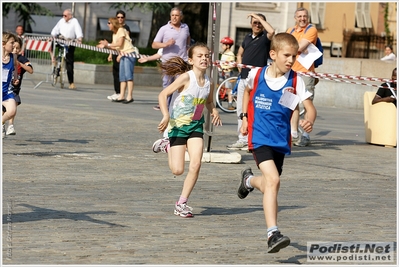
point(38, 214)
point(208, 211)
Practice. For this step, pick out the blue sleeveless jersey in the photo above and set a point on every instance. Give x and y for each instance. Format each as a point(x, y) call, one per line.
point(8, 70)
point(268, 121)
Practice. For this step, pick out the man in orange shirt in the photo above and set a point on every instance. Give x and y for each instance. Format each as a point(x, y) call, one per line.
point(304, 39)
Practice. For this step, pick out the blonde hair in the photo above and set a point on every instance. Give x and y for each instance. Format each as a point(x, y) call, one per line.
point(7, 36)
point(115, 23)
point(283, 39)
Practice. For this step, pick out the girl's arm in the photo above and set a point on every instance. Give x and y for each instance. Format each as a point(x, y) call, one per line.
point(212, 109)
point(181, 82)
point(150, 58)
point(27, 66)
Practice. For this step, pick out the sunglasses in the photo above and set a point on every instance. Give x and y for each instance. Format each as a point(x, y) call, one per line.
point(65, 15)
point(120, 17)
point(257, 23)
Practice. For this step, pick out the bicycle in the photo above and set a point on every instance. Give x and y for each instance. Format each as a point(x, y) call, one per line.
point(59, 70)
point(222, 94)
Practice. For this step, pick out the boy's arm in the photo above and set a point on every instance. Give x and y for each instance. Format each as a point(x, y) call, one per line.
point(310, 116)
point(245, 101)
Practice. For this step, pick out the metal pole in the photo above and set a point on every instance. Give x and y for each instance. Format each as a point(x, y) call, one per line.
point(213, 44)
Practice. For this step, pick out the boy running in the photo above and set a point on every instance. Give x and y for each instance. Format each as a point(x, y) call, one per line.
point(269, 100)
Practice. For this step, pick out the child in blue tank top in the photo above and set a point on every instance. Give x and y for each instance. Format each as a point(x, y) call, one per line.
point(9, 78)
point(272, 94)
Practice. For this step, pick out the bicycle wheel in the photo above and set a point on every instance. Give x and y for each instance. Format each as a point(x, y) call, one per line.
point(54, 76)
point(63, 73)
point(222, 95)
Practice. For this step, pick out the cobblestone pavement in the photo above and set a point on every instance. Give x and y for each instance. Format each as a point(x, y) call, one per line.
point(81, 186)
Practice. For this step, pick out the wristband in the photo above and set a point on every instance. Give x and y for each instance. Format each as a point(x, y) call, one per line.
point(109, 44)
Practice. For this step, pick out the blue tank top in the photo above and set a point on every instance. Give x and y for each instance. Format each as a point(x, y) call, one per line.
point(269, 121)
point(7, 72)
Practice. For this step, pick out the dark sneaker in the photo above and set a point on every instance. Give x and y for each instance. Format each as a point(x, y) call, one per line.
point(243, 190)
point(276, 242)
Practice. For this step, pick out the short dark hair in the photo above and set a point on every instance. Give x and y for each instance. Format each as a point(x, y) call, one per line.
point(121, 12)
point(260, 15)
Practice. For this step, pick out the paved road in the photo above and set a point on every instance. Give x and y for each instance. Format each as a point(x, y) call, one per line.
point(81, 185)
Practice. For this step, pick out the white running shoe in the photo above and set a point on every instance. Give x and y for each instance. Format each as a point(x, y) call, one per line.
point(238, 146)
point(113, 97)
point(11, 130)
point(161, 145)
point(183, 210)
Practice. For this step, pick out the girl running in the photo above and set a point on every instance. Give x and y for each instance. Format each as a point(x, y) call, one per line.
point(190, 93)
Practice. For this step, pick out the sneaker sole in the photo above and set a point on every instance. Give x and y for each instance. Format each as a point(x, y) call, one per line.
point(238, 148)
point(279, 246)
point(14, 133)
point(189, 215)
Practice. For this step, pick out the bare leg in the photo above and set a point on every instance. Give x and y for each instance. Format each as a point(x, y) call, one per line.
point(123, 90)
point(269, 185)
point(130, 86)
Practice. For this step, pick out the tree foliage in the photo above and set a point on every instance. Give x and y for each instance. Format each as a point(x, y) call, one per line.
point(195, 15)
point(25, 10)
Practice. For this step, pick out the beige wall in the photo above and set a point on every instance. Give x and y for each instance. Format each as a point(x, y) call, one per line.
point(341, 16)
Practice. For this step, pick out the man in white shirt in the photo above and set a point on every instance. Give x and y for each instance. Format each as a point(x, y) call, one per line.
point(70, 29)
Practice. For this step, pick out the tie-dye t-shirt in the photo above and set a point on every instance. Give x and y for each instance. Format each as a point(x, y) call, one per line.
point(187, 108)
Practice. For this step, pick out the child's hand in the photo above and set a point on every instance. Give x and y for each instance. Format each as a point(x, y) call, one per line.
point(110, 58)
point(118, 58)
point(216, 118)
point(244, 127)
point(306, 125)
point(163, 124)
point(142, 60)
point(15, 82)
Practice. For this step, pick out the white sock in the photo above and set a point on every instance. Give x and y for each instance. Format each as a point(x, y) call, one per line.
point(248, 183)
point(294, 134)
point(271, 230)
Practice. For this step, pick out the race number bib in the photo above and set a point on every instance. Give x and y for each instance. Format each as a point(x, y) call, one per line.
point(288, 99)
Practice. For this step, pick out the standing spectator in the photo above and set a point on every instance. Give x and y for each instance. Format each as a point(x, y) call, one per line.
point(121, 16)
point(384, 94)
point(267, 122)
point(183, 118)
point(253, 51)
point(174, 38)
point(69, 28)
point(389, 55)
point(9, 78)
point(19, 30)
point(304, 40)
point(123, 44)
point(23, 66)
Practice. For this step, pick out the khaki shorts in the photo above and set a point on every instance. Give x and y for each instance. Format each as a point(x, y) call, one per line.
point(310, 83)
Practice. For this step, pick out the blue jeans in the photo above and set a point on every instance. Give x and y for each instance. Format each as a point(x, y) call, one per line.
point(126, 69)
